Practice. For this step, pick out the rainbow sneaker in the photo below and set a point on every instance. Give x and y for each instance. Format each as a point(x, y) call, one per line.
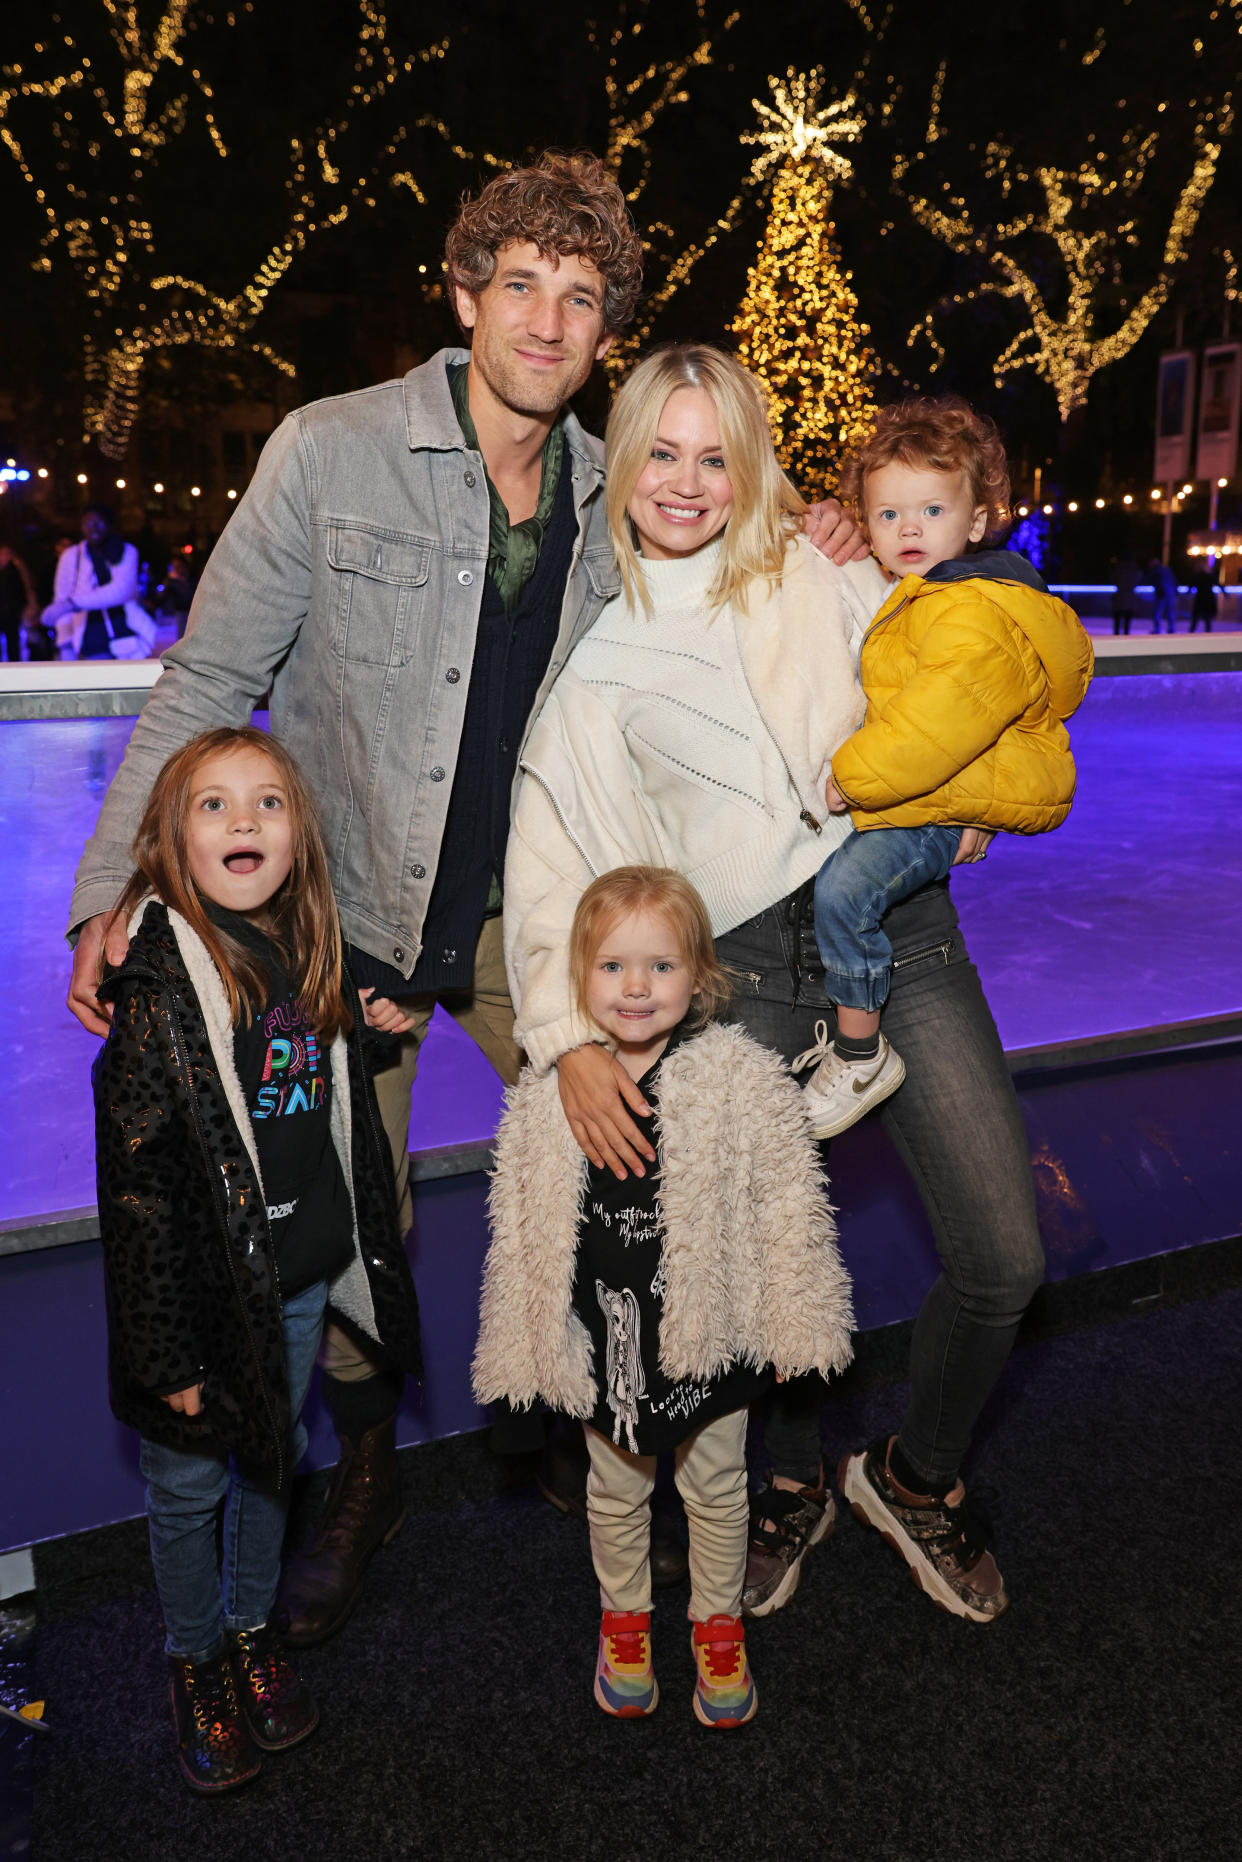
point(625, 1683)
point(724, 1694)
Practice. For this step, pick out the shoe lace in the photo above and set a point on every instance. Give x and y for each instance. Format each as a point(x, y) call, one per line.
point(264, 1666)
point(349, 1507)
point(721, 1659)
point(625, 1647)
point(813, 1055)
point(772, 1526)
point(967, 1526)
point(213, 1701)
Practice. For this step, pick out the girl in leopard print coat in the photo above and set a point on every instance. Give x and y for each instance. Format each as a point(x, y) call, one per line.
point(244, 1183)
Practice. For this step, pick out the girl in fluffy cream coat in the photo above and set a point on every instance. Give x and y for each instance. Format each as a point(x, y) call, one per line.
point(651, 1306)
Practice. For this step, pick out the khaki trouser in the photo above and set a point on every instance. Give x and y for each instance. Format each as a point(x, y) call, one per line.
point(711, 1479)
point(485, 1012)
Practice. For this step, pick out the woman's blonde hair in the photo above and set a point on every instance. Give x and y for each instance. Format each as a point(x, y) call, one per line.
point(765, 505)
point(629, 889)
point(300, 918)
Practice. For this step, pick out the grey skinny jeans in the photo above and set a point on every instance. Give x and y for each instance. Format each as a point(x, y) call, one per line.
point(956, 1125)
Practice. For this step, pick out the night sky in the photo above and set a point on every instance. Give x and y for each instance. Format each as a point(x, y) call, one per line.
point(1055, 82)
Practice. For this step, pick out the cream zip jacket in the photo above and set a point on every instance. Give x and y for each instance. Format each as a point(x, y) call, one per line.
point(579, 810)
point(750, 1253)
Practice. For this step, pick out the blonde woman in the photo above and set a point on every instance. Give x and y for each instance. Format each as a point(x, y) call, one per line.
point(694, 728)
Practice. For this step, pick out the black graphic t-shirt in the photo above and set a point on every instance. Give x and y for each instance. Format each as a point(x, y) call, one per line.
point(287, 1082)
point(619, 1296)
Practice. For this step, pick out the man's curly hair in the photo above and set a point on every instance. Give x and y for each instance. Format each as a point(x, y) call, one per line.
point(565, 204)
point(944, 435)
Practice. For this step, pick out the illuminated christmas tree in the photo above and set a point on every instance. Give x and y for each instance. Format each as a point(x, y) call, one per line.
point(799, 328)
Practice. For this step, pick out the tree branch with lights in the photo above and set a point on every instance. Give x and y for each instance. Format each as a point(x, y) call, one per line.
point(1063, 257)
point(635, 104)
point(104, 125)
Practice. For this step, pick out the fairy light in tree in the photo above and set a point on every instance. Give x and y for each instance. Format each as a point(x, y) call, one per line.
point(1079, 213)
point(635, 105)
point(107, 124)
point(798, 322)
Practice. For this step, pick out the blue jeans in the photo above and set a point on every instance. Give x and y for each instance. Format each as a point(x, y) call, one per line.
point(202, 1600)
point(956, 1126)
point(856, 885)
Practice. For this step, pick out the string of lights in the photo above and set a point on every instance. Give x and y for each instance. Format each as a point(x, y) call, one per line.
point(110, 248)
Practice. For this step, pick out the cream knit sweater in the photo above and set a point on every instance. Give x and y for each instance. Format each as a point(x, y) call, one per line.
point(689, 739)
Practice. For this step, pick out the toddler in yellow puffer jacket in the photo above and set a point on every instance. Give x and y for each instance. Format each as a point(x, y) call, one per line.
point(969, 669)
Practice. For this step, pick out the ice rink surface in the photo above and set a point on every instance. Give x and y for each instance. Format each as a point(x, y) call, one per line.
point(1127, 917)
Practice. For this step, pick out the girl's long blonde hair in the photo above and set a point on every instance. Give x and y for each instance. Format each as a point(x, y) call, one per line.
point(766, 508)
point(301, 916)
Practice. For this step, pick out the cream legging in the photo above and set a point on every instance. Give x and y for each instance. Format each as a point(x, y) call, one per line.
point(711, 1479)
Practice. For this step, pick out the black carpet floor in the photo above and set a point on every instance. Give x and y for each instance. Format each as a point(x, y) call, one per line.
point(1098, 1719)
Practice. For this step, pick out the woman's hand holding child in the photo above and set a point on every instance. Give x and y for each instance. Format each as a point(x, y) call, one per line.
point(595, 1090)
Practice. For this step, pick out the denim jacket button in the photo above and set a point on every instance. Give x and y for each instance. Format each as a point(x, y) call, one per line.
point(465, 577)
point(437, 774)
point(452, 676)
point(471, 480)
point(398, 953)
point(417, 871)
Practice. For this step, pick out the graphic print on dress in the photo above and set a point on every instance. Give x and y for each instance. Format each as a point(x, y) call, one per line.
point(293, 1079)
point(624, 1363)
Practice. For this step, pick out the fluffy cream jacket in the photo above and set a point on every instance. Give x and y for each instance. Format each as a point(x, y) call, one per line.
point(750, 1255)
point(580, 807)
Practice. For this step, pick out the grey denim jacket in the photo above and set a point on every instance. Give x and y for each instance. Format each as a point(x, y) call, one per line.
point(348, 582)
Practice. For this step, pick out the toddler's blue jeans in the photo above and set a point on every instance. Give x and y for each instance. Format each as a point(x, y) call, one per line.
point(856, 885)
point(202, 1600)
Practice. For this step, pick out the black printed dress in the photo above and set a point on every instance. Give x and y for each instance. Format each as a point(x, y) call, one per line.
point(619, 1296)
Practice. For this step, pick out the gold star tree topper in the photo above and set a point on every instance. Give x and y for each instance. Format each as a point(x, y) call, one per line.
point(794, 128)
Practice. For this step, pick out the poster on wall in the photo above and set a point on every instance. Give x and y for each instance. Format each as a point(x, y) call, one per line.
point(1175, 404)
point(1219, 399)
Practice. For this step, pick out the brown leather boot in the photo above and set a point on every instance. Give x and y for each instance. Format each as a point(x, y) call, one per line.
point(321, 1582)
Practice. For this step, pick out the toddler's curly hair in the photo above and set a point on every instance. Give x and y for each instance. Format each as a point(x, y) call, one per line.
point(563, 204)
point(944, 435)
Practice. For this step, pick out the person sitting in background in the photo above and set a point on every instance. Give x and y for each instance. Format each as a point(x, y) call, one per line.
point(95, 609)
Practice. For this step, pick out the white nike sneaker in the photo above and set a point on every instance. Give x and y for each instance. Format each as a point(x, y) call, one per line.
point(840, 1091)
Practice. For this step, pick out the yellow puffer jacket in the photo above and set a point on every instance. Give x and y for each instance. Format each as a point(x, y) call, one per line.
point(967, 683)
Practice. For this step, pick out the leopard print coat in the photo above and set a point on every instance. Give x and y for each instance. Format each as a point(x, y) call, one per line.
point(192, 1291)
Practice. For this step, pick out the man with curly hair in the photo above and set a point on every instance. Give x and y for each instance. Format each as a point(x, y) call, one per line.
point(409, 569)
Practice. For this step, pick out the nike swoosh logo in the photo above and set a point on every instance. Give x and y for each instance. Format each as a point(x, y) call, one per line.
point(860, 1086)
